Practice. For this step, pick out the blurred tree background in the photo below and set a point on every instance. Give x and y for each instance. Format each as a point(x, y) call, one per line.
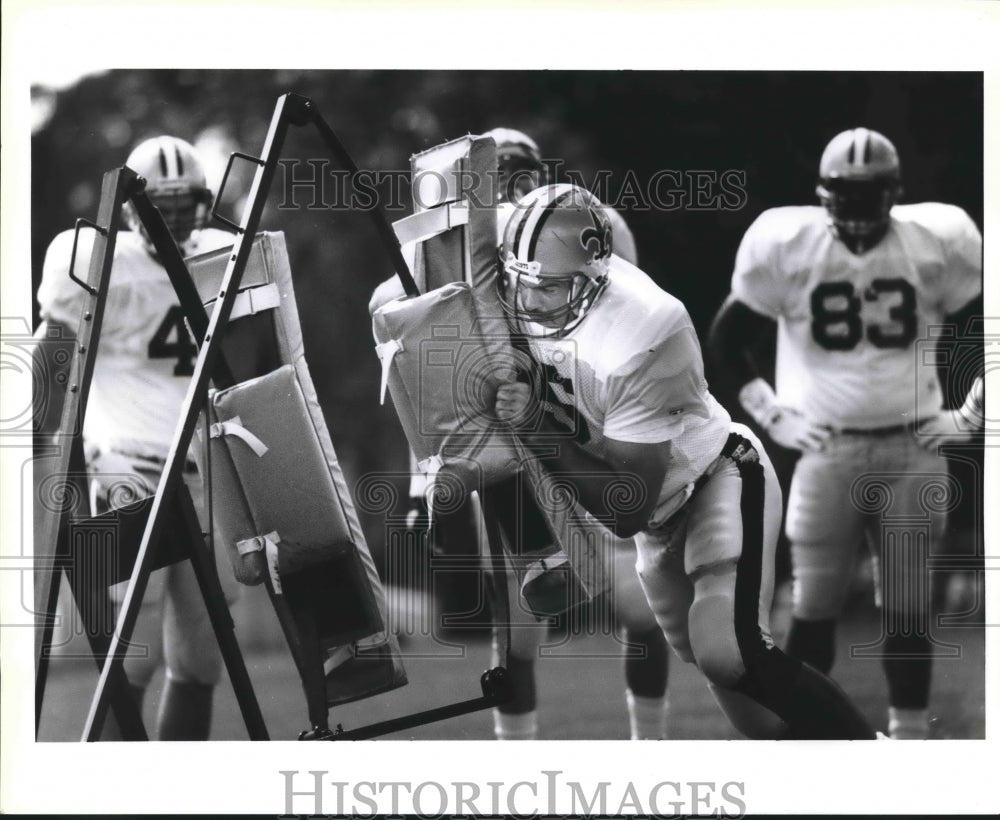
point(771, 127)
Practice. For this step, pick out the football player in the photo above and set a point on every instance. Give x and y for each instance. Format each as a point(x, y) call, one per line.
point(620, 358)
point(520, 170)
point(145, 358)
point(854, 284)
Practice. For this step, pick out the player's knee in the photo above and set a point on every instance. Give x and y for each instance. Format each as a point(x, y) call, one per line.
point(815, 608)
point(193, 657)
point(198, 668)
point(675, 629)
point(713, 640)
point(140, 671)
point(634, 613)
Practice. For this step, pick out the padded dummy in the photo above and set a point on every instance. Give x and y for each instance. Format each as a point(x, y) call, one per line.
point(454, 224)
point(443, 383)
point(454, 230)
point(280, 499)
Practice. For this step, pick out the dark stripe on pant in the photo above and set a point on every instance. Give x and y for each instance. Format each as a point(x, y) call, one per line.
point(746, 610)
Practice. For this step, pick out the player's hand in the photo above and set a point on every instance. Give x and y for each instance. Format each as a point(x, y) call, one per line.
point(947, 427)
point(786, 426)
point(793, 429)
point(514, 404)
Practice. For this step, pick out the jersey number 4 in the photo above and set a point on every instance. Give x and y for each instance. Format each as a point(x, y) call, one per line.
point(838, 326)
point(182, 348)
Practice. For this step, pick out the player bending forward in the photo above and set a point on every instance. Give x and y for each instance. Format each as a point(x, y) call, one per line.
point(623, 357)
point(853, 285)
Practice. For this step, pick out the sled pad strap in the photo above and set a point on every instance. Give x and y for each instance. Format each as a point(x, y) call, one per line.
point(258, 542)
point(254, 300)
point(386, 351)
point(427, 224)
point(234, 427)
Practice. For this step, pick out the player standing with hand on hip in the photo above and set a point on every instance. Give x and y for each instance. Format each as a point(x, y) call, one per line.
point(142, 371)
point(620, 355)
point(853, 284)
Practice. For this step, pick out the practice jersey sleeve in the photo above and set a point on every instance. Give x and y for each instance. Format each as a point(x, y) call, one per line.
point(756, 281)
point(963, 246)
point(653, 394)
point(60, 299)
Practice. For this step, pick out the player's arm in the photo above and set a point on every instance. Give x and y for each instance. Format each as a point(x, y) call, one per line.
point(737, 336)
point(51, 359)
point(738, 340)
point(61, 303)
point(958, 425)
point(636, 469)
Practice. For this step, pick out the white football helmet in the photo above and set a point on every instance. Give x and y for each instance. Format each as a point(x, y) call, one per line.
point(175, 183)
point(519, 162)
point(859, 182)
point(555, 232)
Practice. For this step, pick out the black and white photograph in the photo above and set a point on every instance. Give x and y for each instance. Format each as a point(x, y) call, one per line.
point(601, 434)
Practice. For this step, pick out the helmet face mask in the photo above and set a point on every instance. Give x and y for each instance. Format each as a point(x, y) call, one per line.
point(184, 211)
point(175, 184)
point(554, 260)
point(859, 183)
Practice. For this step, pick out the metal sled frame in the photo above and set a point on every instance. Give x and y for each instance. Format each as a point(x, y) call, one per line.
point(133, 532)
point(290, 110)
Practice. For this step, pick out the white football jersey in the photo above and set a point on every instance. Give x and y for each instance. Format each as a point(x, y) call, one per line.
point(853, 329)
point(632, 371)
point(145, 353)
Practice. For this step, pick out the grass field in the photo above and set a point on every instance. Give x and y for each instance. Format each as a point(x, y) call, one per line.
point(580, 683)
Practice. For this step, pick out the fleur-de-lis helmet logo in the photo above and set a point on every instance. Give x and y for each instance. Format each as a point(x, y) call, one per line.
point(596, 240)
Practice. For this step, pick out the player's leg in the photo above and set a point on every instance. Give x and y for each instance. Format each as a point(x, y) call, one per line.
point(454, 555)
point(517, 719)
point(460, 611)
point(670, 594)
point(526, 532)
point(644, 650)
point(825, 530)
point(115, 480)
point(191, 650)
point(194, 664)
point(145, 648)
point(729, 555)
point(906, 597)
